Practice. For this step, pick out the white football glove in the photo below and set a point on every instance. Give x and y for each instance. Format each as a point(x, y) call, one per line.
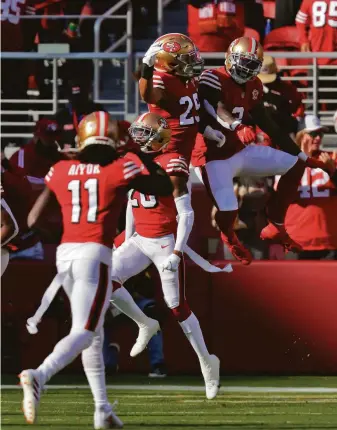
point(150, 55)
point(212, 134)
point(171, 263)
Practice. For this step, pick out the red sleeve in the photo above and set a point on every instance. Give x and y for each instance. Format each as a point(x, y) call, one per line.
point(132, 166)
point(303, 21)
point(49, 179)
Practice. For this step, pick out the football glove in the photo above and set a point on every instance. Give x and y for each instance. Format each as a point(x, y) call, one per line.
point(150, 55)
point(171, 263)
point(246, 134)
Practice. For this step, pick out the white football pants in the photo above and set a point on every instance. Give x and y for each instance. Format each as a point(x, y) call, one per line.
point(253, 160)
point(137, 253)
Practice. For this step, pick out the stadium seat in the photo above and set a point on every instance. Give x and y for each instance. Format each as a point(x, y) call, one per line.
point(250, 32)
point(282, 39)
point(269, 9)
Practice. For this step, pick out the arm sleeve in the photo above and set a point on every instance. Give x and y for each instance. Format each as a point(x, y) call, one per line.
point(49, 179)
point(302, 21)
point(129, 219)
point(264, 120)
point(185, 221)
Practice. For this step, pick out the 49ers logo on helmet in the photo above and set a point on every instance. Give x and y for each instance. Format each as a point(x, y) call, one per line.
point(171, 47)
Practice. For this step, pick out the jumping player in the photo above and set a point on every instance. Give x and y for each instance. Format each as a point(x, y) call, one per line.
point(160, 240)
point(231, 98)
point(91, 191)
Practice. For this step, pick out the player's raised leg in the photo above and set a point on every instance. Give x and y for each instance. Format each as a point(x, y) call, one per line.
point(173, 284)
point(127, 261)
point(266, 161)
point(217, 177)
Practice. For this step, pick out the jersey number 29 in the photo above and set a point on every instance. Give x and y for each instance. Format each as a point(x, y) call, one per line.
point(91, 187)
point(186, 118)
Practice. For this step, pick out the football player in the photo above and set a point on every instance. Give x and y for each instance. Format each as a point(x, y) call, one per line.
point(159, 239)
point(91, 191)
point(231, 98)
point(168, 84)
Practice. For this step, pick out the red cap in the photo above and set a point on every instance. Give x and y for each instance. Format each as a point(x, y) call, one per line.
point(46, 128)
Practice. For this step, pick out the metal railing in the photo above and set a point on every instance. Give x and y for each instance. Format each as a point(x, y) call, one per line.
point(55, 102)
point(126, 38)
point(312, 92)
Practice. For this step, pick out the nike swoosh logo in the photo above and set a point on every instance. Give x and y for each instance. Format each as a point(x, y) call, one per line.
point(164, 246)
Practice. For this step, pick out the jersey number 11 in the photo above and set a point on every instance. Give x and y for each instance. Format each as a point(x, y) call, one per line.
point(91, 187)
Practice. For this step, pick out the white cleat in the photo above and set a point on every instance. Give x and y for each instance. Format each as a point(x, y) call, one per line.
point(29, 380)
point(144, 336)
point(211, 374)
point(105, 418)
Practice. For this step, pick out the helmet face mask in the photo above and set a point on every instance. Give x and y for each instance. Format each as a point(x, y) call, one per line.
point(179, 56)
point(151, 132)
point(244, 63)
point(189, 65)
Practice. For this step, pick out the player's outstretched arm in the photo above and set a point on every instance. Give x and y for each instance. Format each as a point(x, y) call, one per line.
point(264, 120)
point(156, 183)
point(182, 200)
point(9, 226)
point(40, 205)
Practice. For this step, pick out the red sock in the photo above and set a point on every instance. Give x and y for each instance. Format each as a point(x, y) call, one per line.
point(285, 193)
point(225, 222)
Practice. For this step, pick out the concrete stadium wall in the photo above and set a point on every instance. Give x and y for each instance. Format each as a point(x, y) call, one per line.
point(270, 317)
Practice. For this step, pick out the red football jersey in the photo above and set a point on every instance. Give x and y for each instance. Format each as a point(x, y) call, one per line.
point(91, 197)
point(215, 25)
point(180, 108)
point(19, 197)
point(34, 165)
point(311, 219)
point(238, 100)
point(156, 216)
point(321, 18)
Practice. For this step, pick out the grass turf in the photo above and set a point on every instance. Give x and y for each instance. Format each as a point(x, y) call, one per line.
point(160, 409)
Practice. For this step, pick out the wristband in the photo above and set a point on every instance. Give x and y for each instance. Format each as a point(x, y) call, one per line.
point(302, 156)
point(235, 125)
point(146, 71)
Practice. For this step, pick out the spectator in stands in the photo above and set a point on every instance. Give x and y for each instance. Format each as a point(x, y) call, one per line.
point(281, 98)
point(311, 219)
point(286, 11)
point(38, 155)
point(316, 24)
point(18, 195)
point(74, 68)
point(213, 25)
point(71, 115)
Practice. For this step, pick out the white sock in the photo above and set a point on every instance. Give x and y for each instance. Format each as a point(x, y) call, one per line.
point(64, 353)
point(123, 300)
point(192, 330)
point(93, 365)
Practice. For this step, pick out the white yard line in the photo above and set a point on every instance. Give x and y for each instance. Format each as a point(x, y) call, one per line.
point(229, 389)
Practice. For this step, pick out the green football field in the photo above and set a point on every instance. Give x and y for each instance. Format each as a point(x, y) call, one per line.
point(179, 404)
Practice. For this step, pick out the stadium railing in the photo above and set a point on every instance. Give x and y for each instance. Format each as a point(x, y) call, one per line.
point(130, 105)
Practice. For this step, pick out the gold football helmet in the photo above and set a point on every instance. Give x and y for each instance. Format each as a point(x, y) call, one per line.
point(244, 59)
point(97, 128)
point(178, 56)
point(151, 132)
